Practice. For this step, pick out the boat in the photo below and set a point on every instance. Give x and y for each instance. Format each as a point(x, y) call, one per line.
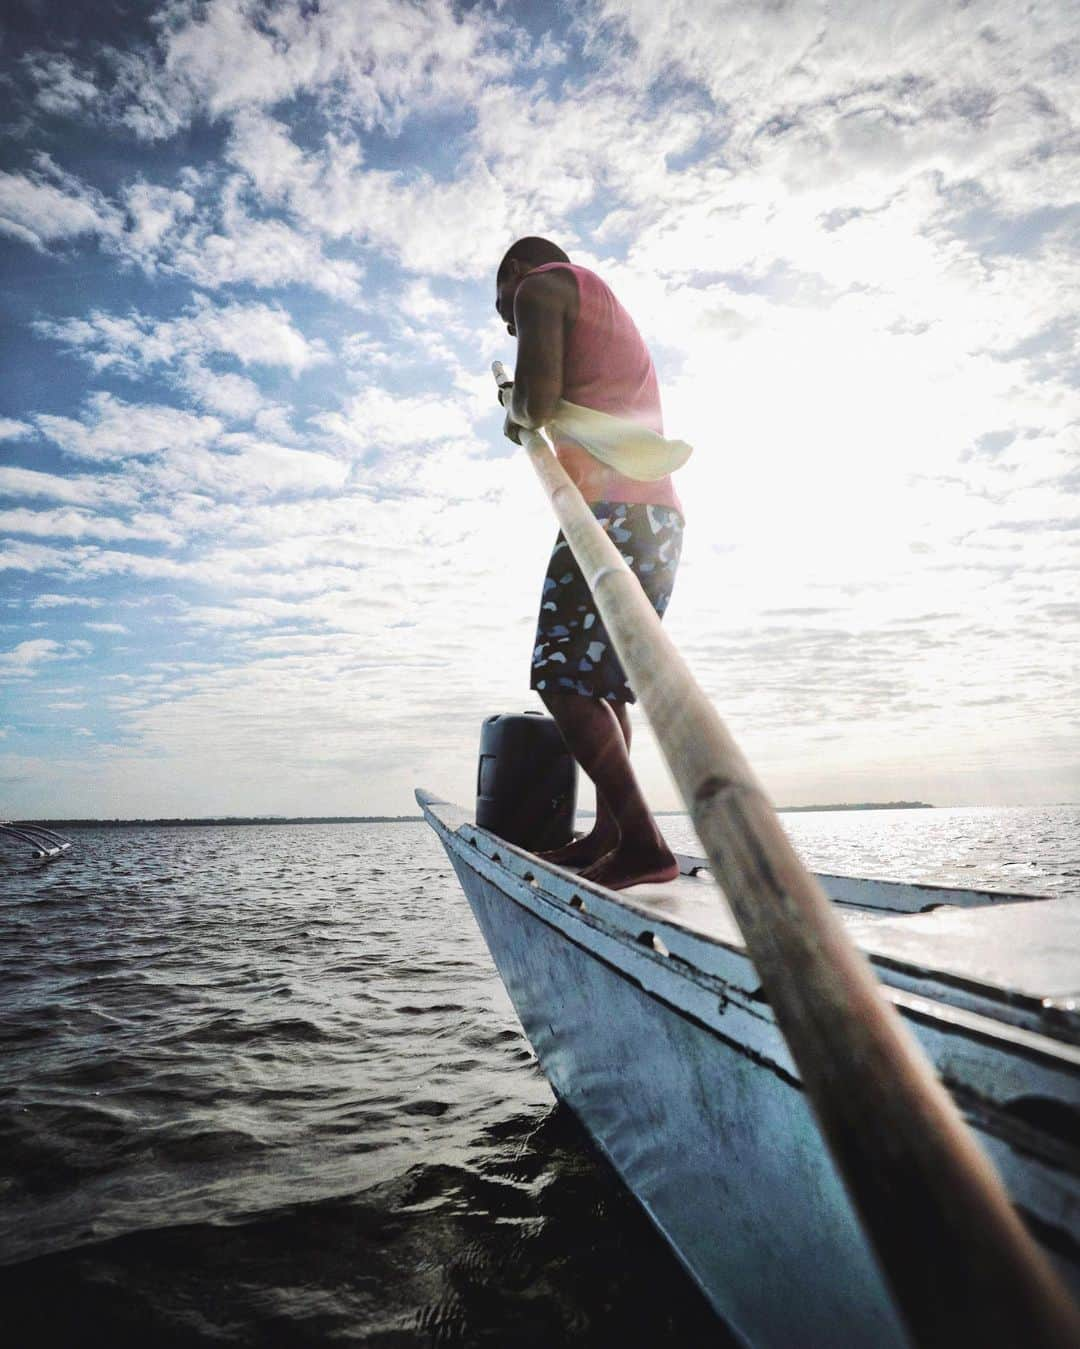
point(44, 843)
point(649, 1021)
point(849, 1105)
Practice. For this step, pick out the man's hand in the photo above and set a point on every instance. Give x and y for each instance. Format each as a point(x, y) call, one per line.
point(511, 430)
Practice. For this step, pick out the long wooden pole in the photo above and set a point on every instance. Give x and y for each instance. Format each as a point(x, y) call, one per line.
point(962, 1267)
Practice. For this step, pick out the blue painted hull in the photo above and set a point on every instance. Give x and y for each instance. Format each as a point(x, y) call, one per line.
point(660, 1044)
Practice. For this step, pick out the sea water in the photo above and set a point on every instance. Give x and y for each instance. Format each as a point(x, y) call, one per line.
point(261, 1085)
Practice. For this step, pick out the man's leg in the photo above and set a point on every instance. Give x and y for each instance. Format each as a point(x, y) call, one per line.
point(604, 835)
point(594, 733)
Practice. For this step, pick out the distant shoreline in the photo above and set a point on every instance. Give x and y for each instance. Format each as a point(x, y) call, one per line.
point(862, 805)
point(194, 822)
point(850, 805)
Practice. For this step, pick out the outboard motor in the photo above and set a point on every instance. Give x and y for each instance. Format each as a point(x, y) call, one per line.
point(526, 787)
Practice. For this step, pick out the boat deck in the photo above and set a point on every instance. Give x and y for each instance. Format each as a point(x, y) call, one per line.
point(1027, 944)
point(1013, 956)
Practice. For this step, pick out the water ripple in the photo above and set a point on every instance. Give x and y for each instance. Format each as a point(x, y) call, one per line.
point(262, 1085)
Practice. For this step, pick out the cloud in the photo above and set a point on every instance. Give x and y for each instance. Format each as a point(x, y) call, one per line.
point(23, 661)
point(252, 468)
point(420, 303)
point(215, 244)
point(238, 248)
point(366, 64)
point(48, 600)
point(431, 226)
point(78, 489)
point(13, 429)
point(844, 106)
point(154, 212)
point(376, 418)
point(107, 627)
point(76, 524)
point(61, 88)
point(848, 239)
point(431, 223)
point(47, 205)
point(252, 334)
point(17, 555)
point(114, 430)
point(232, 396)
point(188, 346)
point(220, 616)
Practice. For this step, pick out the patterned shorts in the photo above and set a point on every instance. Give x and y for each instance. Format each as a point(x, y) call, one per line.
point(573, 653)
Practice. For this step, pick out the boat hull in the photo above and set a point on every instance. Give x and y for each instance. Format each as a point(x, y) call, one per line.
point(660, 1042)
point(720, 1150)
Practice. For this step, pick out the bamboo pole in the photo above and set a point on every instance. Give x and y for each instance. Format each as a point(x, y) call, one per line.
point(962, 1267)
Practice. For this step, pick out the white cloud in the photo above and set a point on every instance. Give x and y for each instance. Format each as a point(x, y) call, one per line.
point(251, 467)
point(802, 58)
point(46, 205)
point(375, 418)
point(17, 555)
point(81, 489)
point(13, 429)
point(232, 396)
point(220, 616)
point(22, 661)
point(360, 349)
point(240, 248)
point(154, 212)
point(53, 601)
point(432, 226)
point(253, 334)
point(420, 303)
point(76, 524)
point(370, 64)
point(828, 232)
point(114, 430)
point(107, 627)
point(219, 244)
point(60, 87)
point(845, 104)
point(187, 347)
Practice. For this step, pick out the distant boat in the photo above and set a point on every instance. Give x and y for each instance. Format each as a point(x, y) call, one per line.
point(650, 1023)
point(44, 843)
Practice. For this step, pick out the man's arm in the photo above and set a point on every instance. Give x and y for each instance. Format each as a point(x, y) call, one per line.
point(542, 307)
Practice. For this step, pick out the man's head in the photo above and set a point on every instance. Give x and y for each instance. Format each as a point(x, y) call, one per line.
point(518, 261)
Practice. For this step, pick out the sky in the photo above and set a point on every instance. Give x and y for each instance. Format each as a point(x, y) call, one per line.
point(263, 546)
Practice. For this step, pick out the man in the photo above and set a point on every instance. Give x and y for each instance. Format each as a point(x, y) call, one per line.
point(575, 341)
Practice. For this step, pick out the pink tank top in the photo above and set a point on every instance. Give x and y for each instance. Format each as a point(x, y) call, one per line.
point(607, 366)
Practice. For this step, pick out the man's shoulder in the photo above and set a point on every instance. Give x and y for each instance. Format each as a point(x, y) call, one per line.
point(553, 288)
point(553, 281)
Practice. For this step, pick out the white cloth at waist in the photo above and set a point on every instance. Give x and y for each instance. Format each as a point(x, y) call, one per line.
point(627, 447)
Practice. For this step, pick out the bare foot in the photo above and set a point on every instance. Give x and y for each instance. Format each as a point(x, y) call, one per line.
point(582, 852)
point(629, 865)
